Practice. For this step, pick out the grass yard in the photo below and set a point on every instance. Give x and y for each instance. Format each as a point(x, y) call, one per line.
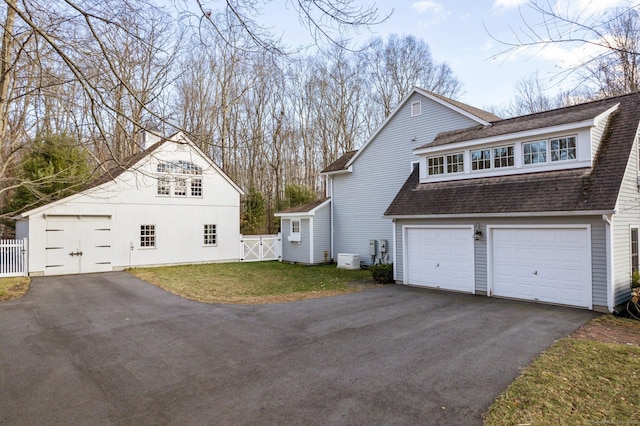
point(577, 381)
point(12, 288)
point(252, 282)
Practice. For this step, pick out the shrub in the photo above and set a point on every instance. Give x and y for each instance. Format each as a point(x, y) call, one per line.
point(382, 273)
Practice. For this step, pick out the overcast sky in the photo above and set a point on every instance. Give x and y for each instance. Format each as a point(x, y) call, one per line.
point(458, 33)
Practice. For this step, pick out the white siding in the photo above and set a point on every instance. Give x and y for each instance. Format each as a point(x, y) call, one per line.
point(628, 215)
point(132, 201)
point(598, 246)
point(360, 198)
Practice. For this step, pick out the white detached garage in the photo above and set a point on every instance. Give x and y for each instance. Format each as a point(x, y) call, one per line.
point(169, 204)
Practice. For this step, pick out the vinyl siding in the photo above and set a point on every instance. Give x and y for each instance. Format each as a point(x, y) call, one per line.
point(360, 198)
point(596, 137)
point(628, 215)
point(322, 235)
point(598, 246)
point(297, 252)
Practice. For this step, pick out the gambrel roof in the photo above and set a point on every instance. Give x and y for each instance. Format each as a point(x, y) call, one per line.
point(590, 189)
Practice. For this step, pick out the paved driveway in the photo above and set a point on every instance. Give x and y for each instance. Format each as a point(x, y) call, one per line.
point(110, 349)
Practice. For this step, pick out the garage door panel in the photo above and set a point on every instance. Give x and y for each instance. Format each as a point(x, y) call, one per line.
point(545, 264)
point(440, 257)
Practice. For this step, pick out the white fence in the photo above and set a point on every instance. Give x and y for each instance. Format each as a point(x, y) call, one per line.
point(256, 248)
point(13, 258)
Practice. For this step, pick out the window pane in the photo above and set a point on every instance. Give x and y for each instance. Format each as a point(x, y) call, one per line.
point(634, 250)
point(164, 186)
point(180, 189)
point(563, 149)
point(147, 235)
point(210, 235)
point(534, 152)
point(503, 156)
point(295, 226)
point(455, 163)
point(436, 165)
point(196, 187)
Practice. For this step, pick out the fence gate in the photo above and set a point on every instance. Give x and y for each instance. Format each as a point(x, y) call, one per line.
point(256, 248)
point(13, 258)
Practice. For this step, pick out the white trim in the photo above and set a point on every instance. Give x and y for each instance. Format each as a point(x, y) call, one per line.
point(395, 111)
point(405, 253)
point(311, 259)
point(525, 134)
point(295, 236)
point(419, 109)
point(608, 229)
point(517, 214)
point(393, 247)
point(489, 232)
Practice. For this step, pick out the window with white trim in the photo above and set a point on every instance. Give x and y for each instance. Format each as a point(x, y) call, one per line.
point(210, 235)
point(455, 163)
point(503, 156)
point(435, 165)
point(294, 231)
point(563, 149)
point(164, 185)
point(416, 109)
point(196, 187)
point(180, 188)
point(295, 226)
point(481, 159)
point(534, 152)
point(147, 236)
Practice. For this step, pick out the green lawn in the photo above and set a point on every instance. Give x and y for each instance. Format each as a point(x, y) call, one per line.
point(575, 382)
point(12, 288)
point(251, 282)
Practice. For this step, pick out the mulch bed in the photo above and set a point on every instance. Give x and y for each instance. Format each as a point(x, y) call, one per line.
point(610, 329)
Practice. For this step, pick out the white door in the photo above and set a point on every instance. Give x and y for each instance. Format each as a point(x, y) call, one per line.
point(542, 264)
point(440, 258)
point(78, 245)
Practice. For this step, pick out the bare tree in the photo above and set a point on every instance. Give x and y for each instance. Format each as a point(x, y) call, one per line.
point(612, 35)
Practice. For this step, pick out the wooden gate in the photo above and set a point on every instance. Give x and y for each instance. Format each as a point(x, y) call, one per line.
point(257, 248)
point(13, 258)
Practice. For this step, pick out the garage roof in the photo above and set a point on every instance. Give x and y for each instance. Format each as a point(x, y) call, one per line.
point(587, 189)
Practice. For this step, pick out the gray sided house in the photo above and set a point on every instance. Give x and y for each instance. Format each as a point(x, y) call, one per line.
point(544, 207)
point(306, 236)
point(361, 184)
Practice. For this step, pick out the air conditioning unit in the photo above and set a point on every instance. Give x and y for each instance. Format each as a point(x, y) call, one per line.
point(348, 261)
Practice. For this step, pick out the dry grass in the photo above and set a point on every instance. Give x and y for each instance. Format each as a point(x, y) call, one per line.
point(576, 381)
point(257, 282)
point(12, 288)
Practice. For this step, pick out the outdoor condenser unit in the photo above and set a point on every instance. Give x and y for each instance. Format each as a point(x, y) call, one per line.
point(348, 261)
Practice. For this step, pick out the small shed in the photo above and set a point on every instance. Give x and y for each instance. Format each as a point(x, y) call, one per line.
point(306, 233)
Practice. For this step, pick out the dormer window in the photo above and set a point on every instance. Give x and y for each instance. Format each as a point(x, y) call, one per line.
point(455, 163)
point(481, 159)
point(503, 156)
point(534, 152)
point(563, 148)
point(436, 165)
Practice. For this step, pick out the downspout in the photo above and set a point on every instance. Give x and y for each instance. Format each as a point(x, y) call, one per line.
point(311, 257)
point(610, 281)
point(393, 245)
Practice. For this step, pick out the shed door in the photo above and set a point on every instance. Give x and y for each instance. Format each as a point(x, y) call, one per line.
point(78, 245)
point(440, 258)
point(544, 264)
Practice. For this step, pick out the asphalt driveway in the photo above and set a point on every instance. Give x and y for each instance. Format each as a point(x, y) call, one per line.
point(111, 349)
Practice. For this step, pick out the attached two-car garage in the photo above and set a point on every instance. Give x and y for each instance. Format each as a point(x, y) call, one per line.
point(541, 263)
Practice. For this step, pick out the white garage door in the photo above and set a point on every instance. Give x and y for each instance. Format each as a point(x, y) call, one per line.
point(77, 245)
point(440, 258)
point(545, 264)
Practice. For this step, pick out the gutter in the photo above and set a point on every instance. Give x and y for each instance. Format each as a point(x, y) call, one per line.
point(518, 214)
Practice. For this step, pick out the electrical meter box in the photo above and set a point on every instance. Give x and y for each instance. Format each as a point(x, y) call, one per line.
point(383, 246)
point(372, 247)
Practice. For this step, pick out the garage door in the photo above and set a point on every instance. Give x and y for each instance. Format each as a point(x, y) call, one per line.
point(77, 244)
point(440, 258)
point(544, 264)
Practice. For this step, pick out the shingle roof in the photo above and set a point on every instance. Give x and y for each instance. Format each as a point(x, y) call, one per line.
point(304, 208)
point(554, 117)
point(482, 114)
point(586, 189)
point(340, 163)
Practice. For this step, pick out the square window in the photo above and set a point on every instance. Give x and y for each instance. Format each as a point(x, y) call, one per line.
point(481, 159)
point(180, 189)
point(503, 156)
point(435, 165)
point(210, 235)
point(455, 163)
point(535, 152)
point(416, 109)
point(196, 187)
point(164, 186)
point(563, 149)
point(147, 235)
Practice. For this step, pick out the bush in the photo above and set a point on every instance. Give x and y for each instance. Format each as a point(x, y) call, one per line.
point(382, 273)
